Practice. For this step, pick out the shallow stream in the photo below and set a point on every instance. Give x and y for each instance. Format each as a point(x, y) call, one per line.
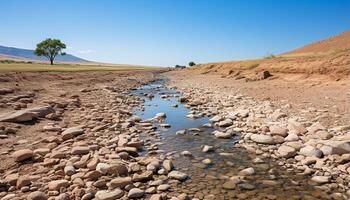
point(270, 181)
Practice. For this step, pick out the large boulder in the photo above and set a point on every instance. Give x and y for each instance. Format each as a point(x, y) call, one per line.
point(27, 114)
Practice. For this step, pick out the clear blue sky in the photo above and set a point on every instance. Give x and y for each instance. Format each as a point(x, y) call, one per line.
point(169, 32)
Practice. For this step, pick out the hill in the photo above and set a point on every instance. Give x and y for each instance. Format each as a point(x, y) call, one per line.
point(330, 57)
point(338, 42)
point(13, 53)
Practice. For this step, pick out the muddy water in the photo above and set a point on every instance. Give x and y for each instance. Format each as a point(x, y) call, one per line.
point(270, 181)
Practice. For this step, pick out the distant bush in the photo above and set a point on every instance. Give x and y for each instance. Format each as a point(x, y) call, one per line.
point(191, 64)
point(180, 67)
point(269, 56)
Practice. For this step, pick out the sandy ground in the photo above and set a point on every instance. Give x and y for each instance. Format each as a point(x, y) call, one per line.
point(292, 93)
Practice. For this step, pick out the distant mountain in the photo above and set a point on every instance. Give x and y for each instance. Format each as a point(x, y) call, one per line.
point(27, 54)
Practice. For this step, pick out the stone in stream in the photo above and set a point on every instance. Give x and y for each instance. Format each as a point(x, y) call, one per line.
point(247, 172)
point(23, 154)
point(206, 161)
point(160, 115)
point(207, 148)
point(225, 123)
point(186, 153)
point(216, 118)
point(168, 165)
point(222, 135)
point(163, 187)
point(180, 132)
point(178, 175)
point(109, 195)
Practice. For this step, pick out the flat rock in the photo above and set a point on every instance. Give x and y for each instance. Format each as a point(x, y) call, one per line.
point(135, 193)
point(27, 114)
point(37, 195)
point(80, 150)
point(109, 195)
point(23, 154)
point(286, 151)
point(178, 175)
point(321, 179)
point(71, 132)
point(58, 184)
point(120, 182)
point(222, 135)
point(262, 139)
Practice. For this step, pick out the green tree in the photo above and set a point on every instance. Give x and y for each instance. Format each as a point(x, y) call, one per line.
point(50, 48)
point(191, 64)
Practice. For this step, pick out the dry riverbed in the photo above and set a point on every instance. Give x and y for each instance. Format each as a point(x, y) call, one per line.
point(93, 136)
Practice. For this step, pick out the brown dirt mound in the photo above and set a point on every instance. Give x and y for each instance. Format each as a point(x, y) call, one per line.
point(340, 41)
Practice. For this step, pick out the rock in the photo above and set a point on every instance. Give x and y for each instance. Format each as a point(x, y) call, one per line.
point(37, 195)
point(145, 176)
point(206, 161)
point(135, 193)
point(72, 132)
point(160, 115)
point(109, 195)
point(23, 154)
point(216, 118)
point(103, 168)
point(324, 135)
point(130, 150)
point(69, 170)
point(262, 139)
point(207, 148)
point(321, 179)
point(58, 184)
point(27, 114)
point(229, 185)
point(119, 169)
point(338, 147)
point(295, 127)
point(278, 130)
point(315, 127)
point(277, 114)
point(225, 123)
point(6, 91)
point(291, 137)
point(286, 151)
point(168, 165)
point(186, 153)
point(80, 150)
point(222, 135)
point(23, 181)
point(264, 75)
point(178, 175)
point(163, 187)
point(156, 197)
point(310, 151)
point(247, 172)
point(120, 182)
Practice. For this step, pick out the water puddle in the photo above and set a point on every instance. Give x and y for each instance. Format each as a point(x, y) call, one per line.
point(207, 181)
